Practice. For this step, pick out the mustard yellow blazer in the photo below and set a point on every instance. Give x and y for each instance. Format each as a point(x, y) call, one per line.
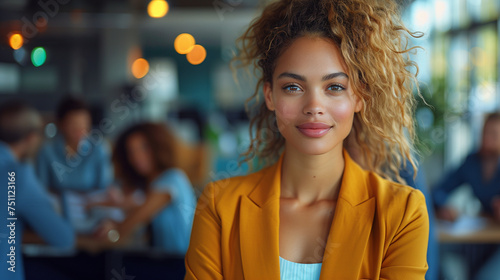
point(379, 229)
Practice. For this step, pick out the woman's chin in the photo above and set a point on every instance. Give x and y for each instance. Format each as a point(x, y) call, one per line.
point(314, 149)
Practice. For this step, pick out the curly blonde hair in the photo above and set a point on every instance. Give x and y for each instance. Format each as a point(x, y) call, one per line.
point(374, 45)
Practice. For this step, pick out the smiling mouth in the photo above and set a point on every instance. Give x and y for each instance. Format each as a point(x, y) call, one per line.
point(314, 130)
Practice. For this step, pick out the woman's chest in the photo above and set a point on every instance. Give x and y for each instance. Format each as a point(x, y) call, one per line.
point(304, 230)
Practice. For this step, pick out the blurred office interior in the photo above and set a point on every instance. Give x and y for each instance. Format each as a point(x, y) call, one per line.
point(123, 59)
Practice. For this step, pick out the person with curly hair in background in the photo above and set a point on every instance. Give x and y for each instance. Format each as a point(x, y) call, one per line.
point(327, 69)
point(153, 190)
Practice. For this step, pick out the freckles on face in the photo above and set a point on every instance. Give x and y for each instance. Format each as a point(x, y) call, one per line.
point(312, 96)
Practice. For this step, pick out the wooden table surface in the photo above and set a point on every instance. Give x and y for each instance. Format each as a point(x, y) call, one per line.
point(490, 233)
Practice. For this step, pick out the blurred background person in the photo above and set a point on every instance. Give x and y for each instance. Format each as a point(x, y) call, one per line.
point(480, 170)
point(20, 128)
point(75, 166)
point(145, 160)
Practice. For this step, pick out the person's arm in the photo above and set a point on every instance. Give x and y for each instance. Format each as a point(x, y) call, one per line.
point(453, 180)
point(35, 208)
point(42, 168)
point(155, 201)
point(406, 256)
point(203, 258)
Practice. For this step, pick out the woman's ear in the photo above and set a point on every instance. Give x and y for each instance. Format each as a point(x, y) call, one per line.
point(268, 96)
point(358, 103)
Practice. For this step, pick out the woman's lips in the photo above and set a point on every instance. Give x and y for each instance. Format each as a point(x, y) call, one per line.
point(314, 130)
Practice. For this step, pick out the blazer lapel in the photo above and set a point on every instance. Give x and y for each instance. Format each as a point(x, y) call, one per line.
point(347, 240)
point(259, 227)
point(351, 225)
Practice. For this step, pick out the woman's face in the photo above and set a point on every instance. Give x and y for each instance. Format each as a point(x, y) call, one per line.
point(75, 126)
point(491, 137)
point(139, 154)
point(311, 96)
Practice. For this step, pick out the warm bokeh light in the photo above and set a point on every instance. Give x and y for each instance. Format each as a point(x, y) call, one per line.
point(197, 55)
point(38, 56)
point(16, 41)
point(184, 43)
point(157, 8)
point(140, 68)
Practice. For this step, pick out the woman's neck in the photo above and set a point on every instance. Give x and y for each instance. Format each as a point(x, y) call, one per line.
point(152, 176)
point(311, 178)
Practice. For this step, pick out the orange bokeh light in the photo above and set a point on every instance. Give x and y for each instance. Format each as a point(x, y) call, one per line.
point(140, 68)
point(157, 8)
point(16, 41)
point(184, 43)
point(197, 55)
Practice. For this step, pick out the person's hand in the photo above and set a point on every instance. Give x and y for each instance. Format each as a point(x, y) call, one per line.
point(89, 244)
point(447, 214)
point(495, 206)
point(115, 195)
point(101, 233)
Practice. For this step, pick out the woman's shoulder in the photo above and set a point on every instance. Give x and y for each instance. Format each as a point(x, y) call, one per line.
point(232, 188)
point(394, 196)
point(171, 175)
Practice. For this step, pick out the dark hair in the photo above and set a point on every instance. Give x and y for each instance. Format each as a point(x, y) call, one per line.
point(70, 104)
point(495, 116)
point(17, 120)
point(162, 143)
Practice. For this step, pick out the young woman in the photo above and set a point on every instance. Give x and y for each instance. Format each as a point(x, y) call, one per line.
point(327, 68)
point(145, 159)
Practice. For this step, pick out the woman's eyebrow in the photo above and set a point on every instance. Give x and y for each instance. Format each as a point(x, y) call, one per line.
point(292, 75)
point(334, 75)
point(302, 78)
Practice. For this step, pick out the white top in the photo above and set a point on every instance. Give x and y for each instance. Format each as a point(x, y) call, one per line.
point(299, 271)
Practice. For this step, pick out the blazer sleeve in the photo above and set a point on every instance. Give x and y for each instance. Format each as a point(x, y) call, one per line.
point(406, 255)
point(203, 258)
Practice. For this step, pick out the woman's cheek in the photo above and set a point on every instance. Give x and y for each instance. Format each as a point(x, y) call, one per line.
point(342, 111)
point(286, 112)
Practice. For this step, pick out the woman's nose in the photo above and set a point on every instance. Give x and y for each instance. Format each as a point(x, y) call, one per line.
point(314, 105)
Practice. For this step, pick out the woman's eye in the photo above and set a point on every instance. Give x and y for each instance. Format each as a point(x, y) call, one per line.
point(291, 88)
point(336, 88)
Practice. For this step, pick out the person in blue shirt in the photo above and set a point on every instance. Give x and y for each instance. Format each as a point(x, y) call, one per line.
point(145, 159)
point(24, 202)
point(76, 163)
point(481, 171)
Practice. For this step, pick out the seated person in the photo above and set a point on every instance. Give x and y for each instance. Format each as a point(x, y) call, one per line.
point(145, 160)
point(26, 199)
point(75, 166)
point(481, 170)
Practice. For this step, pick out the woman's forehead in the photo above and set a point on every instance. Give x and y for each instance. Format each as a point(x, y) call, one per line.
point(311, 57)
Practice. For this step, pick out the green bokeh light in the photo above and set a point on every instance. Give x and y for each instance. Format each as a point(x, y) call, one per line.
point(38, 56)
